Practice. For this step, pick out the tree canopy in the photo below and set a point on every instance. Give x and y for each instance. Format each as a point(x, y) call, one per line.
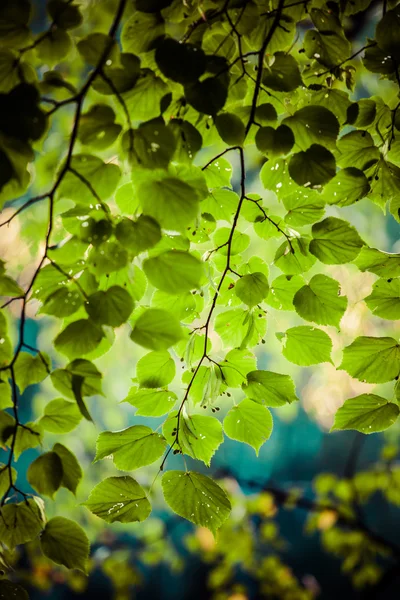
point(130, 132)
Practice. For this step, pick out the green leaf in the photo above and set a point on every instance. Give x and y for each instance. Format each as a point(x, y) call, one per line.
point(236, 365)
point(384, 264)
point(72, 472)
point(294, 259)
point(119, 499)
point(12, 590)
point(367, 413)
point(196, 498)
point(9, 287)
point(138, 236)
point(384, 300)
point(270, 389)
point(231, 327)
point(92, 47)
point(252, 289)
point(274, 142)
point(78, 338)
point(28, 436)
point(107, 258)
point(111, 307)
point(5, 479)
point(21, 523)
point(64, 14)
point(5, 394)
point(306, 345)
point(329, 49)
point(335, 241)
point(240, 241)
point(304, 207)
point(6, 350)
point(182, 306)
point(97, 127)
point(131, 448)
point(182, 63)
point(53, 48)
point(45, 474)
point(199, 436)
point(151, 403)
point(320, 302)
point(174, 271)
point(60, 416)
point(65, 543)
point(95, 179)
point(177, 203)
point(30, 370)
point(218, 173)
point(387, 33)
point(348, 186)
point(283, 75)
point(62, 303)
point(230, 128)
point(314, 167)
point(7, 424)
point(266, 113)
point(156, 329)
point(313, 124)
point(140, 32)
point(143, 100)
point(154, 144)
point(207, 96)
point(361, 113)
point(282, 291)
point(62, 378)
point(372, 359)
point(249, 422)
point(155, 370)
point(357, 150)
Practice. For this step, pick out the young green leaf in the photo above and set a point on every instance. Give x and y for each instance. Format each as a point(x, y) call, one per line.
point(306, 345)
point(270, 389)
point(119, 499)
point(283, 290)
point(155, 370)
point(60, 416)
point(367, 413)
point(29, 436)
point(320, 302)
point(131, 448)
point(384, 264)
point(335, 241)
point(111, 307)
point(30, 370)
point(65, 543)
point(372, 359)
point(78, 338)
point(174, 271)
point(72, 472)
point(384, 300)
point(252, 289)
point(199, 436)
point(196, 498)
point(151, 403)
point(249, 422)
point(21, 523)
point(45, 474)
point(156, 329)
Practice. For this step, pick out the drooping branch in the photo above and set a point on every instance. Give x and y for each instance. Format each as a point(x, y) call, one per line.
point(51, 197)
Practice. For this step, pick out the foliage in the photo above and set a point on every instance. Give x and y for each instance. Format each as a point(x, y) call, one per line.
point(135, 230)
